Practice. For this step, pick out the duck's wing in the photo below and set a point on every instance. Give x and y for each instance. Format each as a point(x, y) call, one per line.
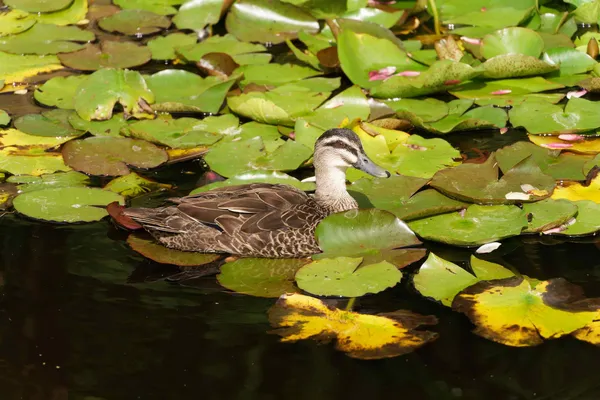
point(251, 208)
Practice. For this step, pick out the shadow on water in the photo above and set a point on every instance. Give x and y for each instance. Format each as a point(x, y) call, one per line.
point(72, 328)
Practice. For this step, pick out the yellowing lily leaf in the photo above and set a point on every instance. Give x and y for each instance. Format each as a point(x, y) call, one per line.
point(587, 146)
point(16, 68)
point(18, 162)
point(299, 317)
point(14, 137)
point(514, 311)
point(576, 191)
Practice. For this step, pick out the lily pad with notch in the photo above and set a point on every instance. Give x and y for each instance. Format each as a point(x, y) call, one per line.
point(163, 47)
point(181, 133)
point(109, 127)
point(59, 91)
point(548, 214)
point(108, 54)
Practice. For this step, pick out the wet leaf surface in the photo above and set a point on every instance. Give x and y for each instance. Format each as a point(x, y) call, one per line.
point(134, 22)
point(109, 54)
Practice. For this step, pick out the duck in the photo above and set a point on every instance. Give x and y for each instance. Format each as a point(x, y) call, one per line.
point(260, 219)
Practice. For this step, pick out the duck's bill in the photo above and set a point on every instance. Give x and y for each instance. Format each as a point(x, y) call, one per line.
point(366, 165)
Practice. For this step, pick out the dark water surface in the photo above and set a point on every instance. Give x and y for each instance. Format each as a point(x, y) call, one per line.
point(84, 317)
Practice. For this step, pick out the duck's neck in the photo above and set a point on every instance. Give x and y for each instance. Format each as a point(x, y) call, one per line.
point(331, 193)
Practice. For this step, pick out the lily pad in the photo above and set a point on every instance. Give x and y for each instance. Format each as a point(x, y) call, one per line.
point(579, 115)
point(274, 74)
point(586, 221)
point(16, 68)
point(51, 123)
point(273, 177)
point(59, 91)
point(24, 141)
point(386, 193)
point(197, 14)
point(71, 15)
point(46, 39)
point(70, 204)
point(109, 54)
point(478, 225)
point(23, 162)
point(548, 214)
point(4, 118)
point(182, 133)
point(162, 7)
point(514, 40)
point(242, 53)
point(480, 182)
point(233, 158)
point(163, 47)
point(570, 61)
point(28, 183)
point(261, 277)
point(299, 317)
point(15, 21)
point(515, 66)
point(133, 185)
point(443, 280)
point(134, 22)
point(183, 91)
point(441, 76)
point(110, 127)
point(97, 96)
point(111, 156)
point(266, 21)
point(584, 146)
point(576, 191)
point(36, 6)
point(164, 255)
point(426, 203)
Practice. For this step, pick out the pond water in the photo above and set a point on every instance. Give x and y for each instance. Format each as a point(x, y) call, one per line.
point(84, 317)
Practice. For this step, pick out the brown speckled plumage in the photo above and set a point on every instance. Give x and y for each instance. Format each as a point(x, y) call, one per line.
point(261, 219)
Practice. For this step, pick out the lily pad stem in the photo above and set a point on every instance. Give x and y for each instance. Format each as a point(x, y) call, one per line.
point(436, 17)
point(350, 304)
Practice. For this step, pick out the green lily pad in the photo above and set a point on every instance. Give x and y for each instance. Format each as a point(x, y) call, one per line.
point(342, 276)
point(274, 74)
point(164, 255)
point(305, 56)
point(109, 54)
point(4, 118)
point(51, 123)
point(514, 40)
point(415, 157)
point(478, 225)
point(59, 91)
point(134, 22)
point(163, 47)
point(197, 14)
point(29, 183)
point(508, 92)
point(427, 110)
point(133, 185)
point(386, 193)
point(18, 162)
point(548, 214)
point(70, 204)
point(97, 96)
point(37, 6)
point(441, 76)
point(280, 106)
point(587, 220)
point(15, 21)
point(16, 68)
point(242, 53)
point(570, 61)
point(46, 39)
point(265, 21)
point(490, 15)
point(515, 66)
point(587, 11)
point(442, 280)
point(261, 277)
point(182, 133)
point(110, 127)
point(25, 142)
point(110, 156)
point(232, 158)
point(426, 203)
point(480, 183)
point(71, 15)
point(162, 7)
point(183, 91)
point(536, 117)
point(273, 177)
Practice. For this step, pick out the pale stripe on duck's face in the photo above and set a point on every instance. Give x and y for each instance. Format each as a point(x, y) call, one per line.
point(342, 148)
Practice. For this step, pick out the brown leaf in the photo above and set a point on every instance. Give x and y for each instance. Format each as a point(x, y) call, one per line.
point(217, 64)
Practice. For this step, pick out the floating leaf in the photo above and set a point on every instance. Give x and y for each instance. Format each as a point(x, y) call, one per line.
point(386, 193)
point(443, 280)
point(261, 277)
point(110, 156)
point(36, 162)
point(46, 39)
point(97, 96)
point(23, 141)
point(478, 225)
point(15, 21)
point(71, 15)
point(37, 6)
point(575, 191)
point(587, 146)
point(571, 61)
point(4, 118)
point(587, 220)
point(50, 123)
point(134, 22)
point(163, 47)
point(59, 91)
point(199, 13)
point(426, 203)
point(265, 21)
point(480, 183)
point(162, 7)
point(109, 54)
point(70, 204)
point(16, 68)
point(133, 185)
point(164, 255)
point(548, 214)
point(182, 133)
point(273, 177)
point(110, 127)
point(28, 183)
point(362, 336)
point(242, 53)
point(514, 40)
point(515, 66)
point(274, 74)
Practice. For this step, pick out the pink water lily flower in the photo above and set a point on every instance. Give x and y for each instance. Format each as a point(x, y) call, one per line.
point(408, 73)
point(469, 40)
point(571, 137)
point(382, 73)
point(576, 93)
point(501, 91)
point(557, 146)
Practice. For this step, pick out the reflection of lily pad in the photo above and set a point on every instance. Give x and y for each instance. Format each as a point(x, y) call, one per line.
point(298, 317)
point(70, 204)
point(478, 225)
point(481, 183)
point(97, 96)
point(164, 255)
point(110, 156)
point(46, 39)
point(134, 22)
point(110, 54)
point(261, 277)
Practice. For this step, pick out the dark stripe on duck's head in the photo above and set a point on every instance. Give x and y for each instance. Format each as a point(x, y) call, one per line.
point(340, 144)
point(340, 133)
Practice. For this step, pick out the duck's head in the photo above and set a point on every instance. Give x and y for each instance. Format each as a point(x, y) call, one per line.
point(340, 149)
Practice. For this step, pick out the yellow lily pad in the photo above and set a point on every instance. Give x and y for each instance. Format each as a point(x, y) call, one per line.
point(299, 317)
point(576, 191)
point(17, 68)
point(587, 146)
